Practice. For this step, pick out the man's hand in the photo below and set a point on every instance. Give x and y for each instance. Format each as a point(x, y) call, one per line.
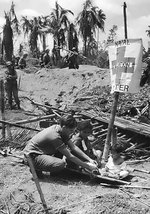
point(94, 162)
point(9, 77)
point(91, 166)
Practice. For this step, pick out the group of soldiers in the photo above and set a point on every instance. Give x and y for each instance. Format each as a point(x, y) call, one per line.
point(45, 61)
point(71, 59)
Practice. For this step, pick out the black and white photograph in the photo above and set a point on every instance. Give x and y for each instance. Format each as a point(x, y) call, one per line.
point(74, 107)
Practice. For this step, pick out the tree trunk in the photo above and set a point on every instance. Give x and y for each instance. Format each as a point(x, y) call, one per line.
point(8, 42)
point(85, 49)
point(44, 42)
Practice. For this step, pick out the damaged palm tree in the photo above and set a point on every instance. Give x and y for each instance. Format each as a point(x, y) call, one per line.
point(59, 25)
point(30, 29)
point(11, 23)
point(72, 37)
point(90, 19)
point(7, 40)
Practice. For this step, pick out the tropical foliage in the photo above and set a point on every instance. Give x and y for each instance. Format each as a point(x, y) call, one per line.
point(59, 25)
point(90, 19)
point(72, 37)
point(12, 23)
point(148, 31)
point(33, 28)
point(112, 34)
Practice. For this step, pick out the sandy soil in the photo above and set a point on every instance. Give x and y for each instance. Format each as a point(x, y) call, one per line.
point(68, 193)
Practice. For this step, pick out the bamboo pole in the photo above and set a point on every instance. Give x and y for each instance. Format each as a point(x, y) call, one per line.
point(125, 20)
point(9, 133)
point(35, 119)
point(114, 137)
point(137, 187)
point(110, 128)
point(19, 126)
point(2, 106)
point(37, 183)
point(142, 170)
point(46, 106)
point(115, 103)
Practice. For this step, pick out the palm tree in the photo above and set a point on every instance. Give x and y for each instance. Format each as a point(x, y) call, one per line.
point(11, 24)
point(112, 34)
point(59, 26)
point(34, 36)
point(30, 28)
point(148, 32)
point(72, 37)
point(44, 28)
point(26, 26)
point(89, 20)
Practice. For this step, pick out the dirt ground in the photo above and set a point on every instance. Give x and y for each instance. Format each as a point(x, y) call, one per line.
point(70, 192)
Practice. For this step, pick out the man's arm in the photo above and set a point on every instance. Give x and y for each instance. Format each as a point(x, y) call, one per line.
point(71, 157)
point(79, 152)
point(8, 76)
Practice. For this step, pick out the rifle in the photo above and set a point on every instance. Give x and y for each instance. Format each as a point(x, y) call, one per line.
point(69, 51)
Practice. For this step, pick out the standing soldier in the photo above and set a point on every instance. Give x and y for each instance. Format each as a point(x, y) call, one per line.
point(47, 59)
point(22, 61)
point(11, 84)
point(72, 59)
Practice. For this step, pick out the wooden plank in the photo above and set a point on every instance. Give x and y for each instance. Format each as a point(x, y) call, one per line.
point(17, 125)
point(2, 106)
point(35, 119)
point(121, 123)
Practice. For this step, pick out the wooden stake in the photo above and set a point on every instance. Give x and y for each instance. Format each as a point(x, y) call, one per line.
point(110, 128)
point(9, 133)
point(35, 119)
point(137, 187)
point(29, 159)
point(19, 126)
point(2, 104)
point(114, 108)
point(114, 137)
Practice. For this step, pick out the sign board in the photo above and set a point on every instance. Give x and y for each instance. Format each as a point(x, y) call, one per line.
point(125, 61)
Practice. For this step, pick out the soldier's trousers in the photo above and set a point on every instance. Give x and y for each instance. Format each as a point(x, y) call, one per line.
point(12, 91)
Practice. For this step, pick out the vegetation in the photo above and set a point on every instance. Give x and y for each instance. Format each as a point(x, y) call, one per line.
point(89, 20)
point(112, 34)
point(58, 25)
point(65, 33)
point(11, 24)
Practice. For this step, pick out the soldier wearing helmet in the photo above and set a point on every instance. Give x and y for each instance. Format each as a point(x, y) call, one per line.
point(22, 61)
point(10, 79)
point(72, 59)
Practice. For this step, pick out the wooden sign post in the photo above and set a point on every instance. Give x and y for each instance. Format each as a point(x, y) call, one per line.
point(2, 106)
point(115, 103)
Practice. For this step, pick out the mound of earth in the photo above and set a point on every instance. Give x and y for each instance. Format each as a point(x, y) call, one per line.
point(61, 85)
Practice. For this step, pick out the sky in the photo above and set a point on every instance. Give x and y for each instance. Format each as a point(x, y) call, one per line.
point(138, 14)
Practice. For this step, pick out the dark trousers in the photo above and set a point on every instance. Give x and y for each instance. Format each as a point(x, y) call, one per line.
point(12, 90)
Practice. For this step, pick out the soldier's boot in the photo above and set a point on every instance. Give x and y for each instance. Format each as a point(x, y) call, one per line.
point(18, 105)
point(10, 105)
